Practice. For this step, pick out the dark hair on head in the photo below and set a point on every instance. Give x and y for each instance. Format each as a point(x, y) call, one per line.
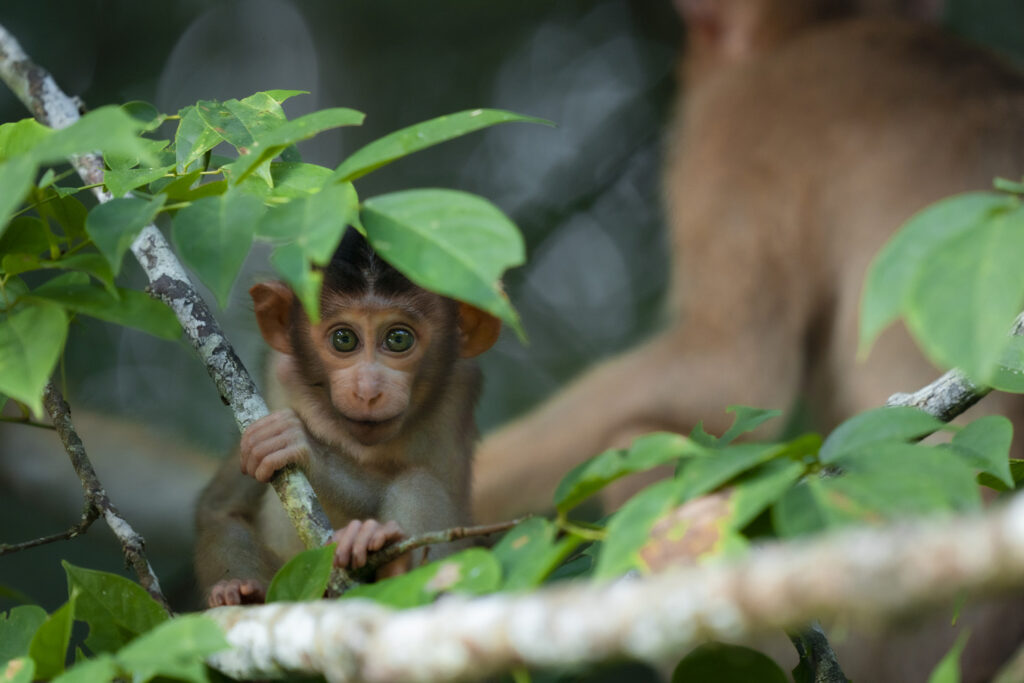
point(356, 269)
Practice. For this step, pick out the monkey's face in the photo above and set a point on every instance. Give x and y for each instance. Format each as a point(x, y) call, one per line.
point(371, 359)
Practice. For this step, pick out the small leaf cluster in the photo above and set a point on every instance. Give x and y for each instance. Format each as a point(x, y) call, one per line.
point(952, 274)
point(130, 636)
point(450, 242)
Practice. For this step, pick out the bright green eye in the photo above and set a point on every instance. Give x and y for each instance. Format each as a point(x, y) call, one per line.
point(399, 340)
point(344, 340)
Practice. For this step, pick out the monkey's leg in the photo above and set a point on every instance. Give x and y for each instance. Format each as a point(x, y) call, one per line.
point(669, 383)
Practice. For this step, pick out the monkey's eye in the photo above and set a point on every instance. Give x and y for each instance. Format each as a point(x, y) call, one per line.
point(344, 340)
point(399, 340)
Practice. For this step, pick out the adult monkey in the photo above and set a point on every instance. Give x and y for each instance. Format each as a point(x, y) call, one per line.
point(804, 137)
point(374, 402)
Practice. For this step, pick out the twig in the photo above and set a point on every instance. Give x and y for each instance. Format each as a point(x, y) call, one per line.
point(26, 422)
point(169, 283)
point(89, 515)
point(132, 544)
point(393, 552)
point(865, 575)
point(817, 658)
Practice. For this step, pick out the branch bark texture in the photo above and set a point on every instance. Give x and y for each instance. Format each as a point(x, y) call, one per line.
point(868, 576)
point(170, 283)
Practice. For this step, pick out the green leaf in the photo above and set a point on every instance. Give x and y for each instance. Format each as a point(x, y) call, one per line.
point(761, 488)
point(747, 420)
point(292, 180)
point(894, 269)
point(889, 481)
point(291, 264)
point(176, 649)
point(31, 340)
point(193, 139)
point(1007, 185)
point(107, 129)
point(1009, 375)
point(986, 443)
point(130, 308)
point(281, 95)
point(422, 135)
point(213, 236)
point(49, 646)
point(268, 145)
point(948, 668)
point(1016, 473)
point(240, 122)
point(100, 669)
point(19, 138)
point(723, 663)
point(881, 425)
point(25, 235)
point(529, 553)
point(15, 180)
point(17, 627)
point(121, 182)
point(630, 526)
point(144, 113)
point(304, 577)
point(21, 670)
point(85, 262)
point(158, 151)
point(452, 243)
point(67, 212)
point(645, 453)
point(474, 572)
point(116, 609)
point(698, 476)
point(967, 294)
point(113, 226)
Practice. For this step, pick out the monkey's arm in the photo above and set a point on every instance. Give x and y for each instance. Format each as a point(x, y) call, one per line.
point(228, 545)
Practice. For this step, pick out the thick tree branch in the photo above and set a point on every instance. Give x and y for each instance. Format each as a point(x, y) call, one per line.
point(170, 283)
point(132, 544)
point(866, 575)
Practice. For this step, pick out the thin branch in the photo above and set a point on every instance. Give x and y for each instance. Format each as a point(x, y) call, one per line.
point(89, 515)
point(28, 422)
point(170, 283)
point(393, 552)
point(132, 544)
point(867, 576)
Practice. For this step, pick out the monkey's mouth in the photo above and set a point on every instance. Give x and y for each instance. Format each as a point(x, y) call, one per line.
point(372, 425)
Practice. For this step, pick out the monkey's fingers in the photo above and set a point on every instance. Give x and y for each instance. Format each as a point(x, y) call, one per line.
point(372, 536)
point(345, 538)
point(236, 592)
point(263, 468)
point(270, 426)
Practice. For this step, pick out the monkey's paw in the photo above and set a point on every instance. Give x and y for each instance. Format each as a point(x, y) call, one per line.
point(237, 592)
point(360, 537)
point(272, 442)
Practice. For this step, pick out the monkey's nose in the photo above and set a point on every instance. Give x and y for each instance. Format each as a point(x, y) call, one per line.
point(368, 390)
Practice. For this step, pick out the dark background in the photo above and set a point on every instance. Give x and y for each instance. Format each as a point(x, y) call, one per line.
point(585, 194)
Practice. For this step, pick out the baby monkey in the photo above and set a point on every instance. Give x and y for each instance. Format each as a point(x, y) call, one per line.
point(374, 403)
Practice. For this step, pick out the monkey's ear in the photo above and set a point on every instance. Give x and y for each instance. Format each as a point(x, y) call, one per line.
point(477, 330)
point(273, 304)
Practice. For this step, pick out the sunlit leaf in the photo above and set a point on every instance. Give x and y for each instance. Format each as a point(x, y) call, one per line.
point(304, 577)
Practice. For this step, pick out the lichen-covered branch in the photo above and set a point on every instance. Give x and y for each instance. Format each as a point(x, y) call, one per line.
point(169, 282)
point(132, 544)
point(867, 575)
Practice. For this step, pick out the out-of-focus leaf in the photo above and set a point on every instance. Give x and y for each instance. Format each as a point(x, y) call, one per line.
point(17, 627)
point(18, 138)
point(886, 424)
point(49, 646)
point(15, 180)
point(422, 135)
point(114, 225)
point(474, 571)
point(121, 182)
point(107, 129)
point(20, 670)
point(147, 116)
point(98, 670)
point(31, 340)
point(304, 577)
point(948, 668)
point(1016, 473)
point(986, 443)
point(723, 663)
point(175, 649)
point(449, 242)
point(529, 553)
point(630, 526)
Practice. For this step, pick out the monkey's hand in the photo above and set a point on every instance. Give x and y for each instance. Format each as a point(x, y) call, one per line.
point(360, 537)
point(237, 592)
point(272, 442)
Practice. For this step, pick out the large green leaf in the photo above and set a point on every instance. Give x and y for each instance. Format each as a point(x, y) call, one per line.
point(886, 424)
point(986, 443)
point(90, 263)
point(213, 236)
point(645, 453)
point(630, 526)
point(967, 294)
point(475, 571)
point(895, 268)
point(25, 235)
point(193, 139)
point(31, 340)
point(116, 609)
point(175, 649)
point(121, 182)
point(291, 264)
point(422, 135)
point(15, 180)
point(18, 138)
point(723, 663)
point(240, 122)
point(268, 145)
point(98, 670)
point(107, 129)
point(49, 645)
point(530, 552)
point(304, 577)
point(760, 488)
point(449, 242)
point(17, 629)
point(114, 225)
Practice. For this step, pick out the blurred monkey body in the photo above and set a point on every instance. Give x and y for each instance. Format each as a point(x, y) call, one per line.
point(802, 140)
point(374, 403)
